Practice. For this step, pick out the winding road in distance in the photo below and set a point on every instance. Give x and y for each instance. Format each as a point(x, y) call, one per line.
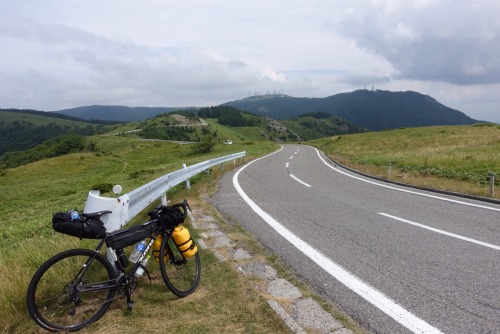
point(396, 259)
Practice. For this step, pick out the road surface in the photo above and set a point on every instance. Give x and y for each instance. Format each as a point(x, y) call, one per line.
point(396, 259)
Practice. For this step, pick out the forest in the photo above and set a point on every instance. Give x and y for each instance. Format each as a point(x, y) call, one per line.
point(229, 116)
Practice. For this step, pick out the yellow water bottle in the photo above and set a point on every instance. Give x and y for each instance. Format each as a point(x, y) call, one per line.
point(183, 240)
point(156, 249)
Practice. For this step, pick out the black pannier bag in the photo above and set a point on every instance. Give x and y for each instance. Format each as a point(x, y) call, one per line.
point(123, 238)
point(83, 228)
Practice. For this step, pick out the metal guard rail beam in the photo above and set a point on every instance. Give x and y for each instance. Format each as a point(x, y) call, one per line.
point(127, 206)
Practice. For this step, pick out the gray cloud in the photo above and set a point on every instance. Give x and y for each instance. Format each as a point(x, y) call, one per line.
point(169, 53)
point(363, 79)
point(450, 41)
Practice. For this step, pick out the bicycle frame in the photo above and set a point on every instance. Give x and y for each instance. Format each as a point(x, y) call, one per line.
point(105, 285)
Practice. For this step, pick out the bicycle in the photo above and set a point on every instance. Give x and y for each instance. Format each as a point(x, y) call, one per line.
point(76, 287)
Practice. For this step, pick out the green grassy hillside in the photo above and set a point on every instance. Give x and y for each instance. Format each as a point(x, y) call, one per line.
point(318, 125)
point(456, 158)
point(20, 131)
point(33, 192)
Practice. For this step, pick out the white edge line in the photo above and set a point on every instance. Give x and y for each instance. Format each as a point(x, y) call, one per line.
point(369, 293)
point(406, 190)
point(441, 231)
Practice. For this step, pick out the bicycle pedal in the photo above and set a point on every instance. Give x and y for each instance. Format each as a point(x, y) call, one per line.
point(130, 305)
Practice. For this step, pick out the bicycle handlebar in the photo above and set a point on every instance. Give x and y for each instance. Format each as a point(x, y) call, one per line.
point(156, 212)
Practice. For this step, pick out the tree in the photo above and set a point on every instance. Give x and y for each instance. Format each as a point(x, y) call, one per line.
point(206, 145)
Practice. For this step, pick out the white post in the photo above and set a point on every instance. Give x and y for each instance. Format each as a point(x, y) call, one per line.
point(492, 184)
point(188, 184)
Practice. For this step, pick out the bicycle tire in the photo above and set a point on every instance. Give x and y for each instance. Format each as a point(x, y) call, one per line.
point(179, 274)
point(53, 300)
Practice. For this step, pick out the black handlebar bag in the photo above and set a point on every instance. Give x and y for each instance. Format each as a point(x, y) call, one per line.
point(83, 228)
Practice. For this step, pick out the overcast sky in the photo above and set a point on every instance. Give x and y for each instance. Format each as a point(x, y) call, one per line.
point(59, 54)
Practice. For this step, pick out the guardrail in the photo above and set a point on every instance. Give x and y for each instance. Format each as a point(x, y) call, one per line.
point(125, 207)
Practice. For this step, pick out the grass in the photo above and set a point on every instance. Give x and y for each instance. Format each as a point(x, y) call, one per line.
point(236, 134)
point(32, 193)
point(452, 158)
point(224, 302)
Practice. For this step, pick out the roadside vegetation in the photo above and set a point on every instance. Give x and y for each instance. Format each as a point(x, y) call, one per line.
point(33, 192)
point(452, 158)
point(57, 175)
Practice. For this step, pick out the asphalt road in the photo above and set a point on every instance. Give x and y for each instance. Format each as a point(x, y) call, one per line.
point(395, 259)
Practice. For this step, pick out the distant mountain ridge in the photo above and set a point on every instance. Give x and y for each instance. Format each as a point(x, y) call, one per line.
point(117, 113)
point(374, 110)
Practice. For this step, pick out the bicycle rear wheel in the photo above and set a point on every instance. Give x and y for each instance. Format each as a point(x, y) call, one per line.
point(180, 275)
point(71, 290)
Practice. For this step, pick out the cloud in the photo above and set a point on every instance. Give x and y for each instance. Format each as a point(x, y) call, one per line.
point(359, 80)
point(272, 75)
point(449, 41)
point(104, 70)
point(191, 53)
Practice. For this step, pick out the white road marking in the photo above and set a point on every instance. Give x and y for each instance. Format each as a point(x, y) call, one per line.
point(300, 181)
point(293, 176)
point(406, 190)
point(366, 291)
point(441, 231)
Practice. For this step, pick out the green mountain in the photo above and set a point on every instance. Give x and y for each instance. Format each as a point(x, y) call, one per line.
point(317, 125)
point(374, 110)
point(116, 113)
point(22, 129)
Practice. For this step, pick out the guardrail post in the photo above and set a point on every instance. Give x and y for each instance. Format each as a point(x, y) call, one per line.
point(163, 199)
point(222, 166)
point(492, 184)
point(188, 184)
point(390, 169)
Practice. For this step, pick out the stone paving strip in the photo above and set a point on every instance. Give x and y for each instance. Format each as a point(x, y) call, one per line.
point(299, 313)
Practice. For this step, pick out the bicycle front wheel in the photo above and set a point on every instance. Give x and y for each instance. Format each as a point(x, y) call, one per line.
point(181, 275)
point(71, 290)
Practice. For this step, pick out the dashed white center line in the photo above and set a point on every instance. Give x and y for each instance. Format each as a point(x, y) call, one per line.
point(299, 181)
point(293, 176)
